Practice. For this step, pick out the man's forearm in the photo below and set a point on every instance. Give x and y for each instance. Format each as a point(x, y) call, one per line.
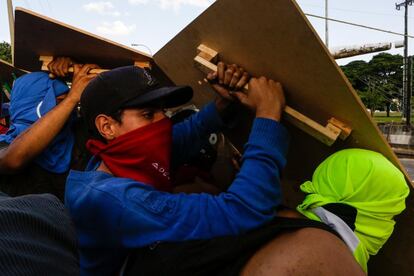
point(36, 138)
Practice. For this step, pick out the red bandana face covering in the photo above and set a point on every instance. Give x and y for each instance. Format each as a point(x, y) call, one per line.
point(142, 154)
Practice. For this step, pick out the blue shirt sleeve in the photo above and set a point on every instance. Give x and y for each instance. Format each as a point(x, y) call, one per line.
point(189, 134)
point(251, 200)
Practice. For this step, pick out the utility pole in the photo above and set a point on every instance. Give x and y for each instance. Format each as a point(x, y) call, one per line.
point(406, 86)
point(326, 25)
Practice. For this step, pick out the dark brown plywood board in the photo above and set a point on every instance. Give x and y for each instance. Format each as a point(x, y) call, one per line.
point(274, 39)
point(6, 71)
point(37, 35)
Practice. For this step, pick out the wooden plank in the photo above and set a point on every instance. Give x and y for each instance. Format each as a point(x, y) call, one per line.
point(326, 135)
point(274, 39)
point(205, 66)
point(345, 130)
point(37, 35)
point(142, 64)
point(11, 25)
point(48, 59)
point(6, 71)
point(207, 53)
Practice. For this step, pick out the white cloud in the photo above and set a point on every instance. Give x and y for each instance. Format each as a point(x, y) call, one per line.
point(115, 28)
point(174, 4)
point(102, 8)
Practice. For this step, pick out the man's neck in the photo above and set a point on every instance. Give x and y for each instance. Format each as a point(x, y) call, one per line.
point(103, 168)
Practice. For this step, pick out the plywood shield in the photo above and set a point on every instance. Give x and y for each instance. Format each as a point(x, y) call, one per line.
point(274, 39)
point(6, 72)
point(37, 35)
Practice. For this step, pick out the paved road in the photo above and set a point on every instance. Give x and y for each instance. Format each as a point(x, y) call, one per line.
point(409, 165)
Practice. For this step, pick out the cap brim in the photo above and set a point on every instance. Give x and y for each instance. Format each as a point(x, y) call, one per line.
point(171, 96)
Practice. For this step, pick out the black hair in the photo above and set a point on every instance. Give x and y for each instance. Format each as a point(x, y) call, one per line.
point(117, 115)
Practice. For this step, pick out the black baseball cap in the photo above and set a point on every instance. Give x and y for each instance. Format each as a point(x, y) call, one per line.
point(125, 87)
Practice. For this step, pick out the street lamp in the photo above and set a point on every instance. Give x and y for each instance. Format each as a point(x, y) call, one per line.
point(142, 45)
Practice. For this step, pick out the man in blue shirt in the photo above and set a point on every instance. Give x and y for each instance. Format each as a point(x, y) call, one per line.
point(36, 152)
point(123, 200)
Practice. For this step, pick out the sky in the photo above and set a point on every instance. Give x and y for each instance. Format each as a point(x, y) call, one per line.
point(152, 23)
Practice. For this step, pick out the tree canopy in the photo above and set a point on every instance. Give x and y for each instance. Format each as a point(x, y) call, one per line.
point(379, 81)
point(5, 51)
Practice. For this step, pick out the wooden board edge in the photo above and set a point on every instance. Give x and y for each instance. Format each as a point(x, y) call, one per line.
point(6, 63)
point(144, 55)
point(11, 65)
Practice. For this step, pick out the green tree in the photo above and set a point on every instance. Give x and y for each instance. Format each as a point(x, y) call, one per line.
point(372, 98)
point(378, 82)
point(5, 51)
point(354, 70)
point(388, 72)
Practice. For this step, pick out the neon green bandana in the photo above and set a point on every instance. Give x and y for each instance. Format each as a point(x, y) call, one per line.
point(367, 181)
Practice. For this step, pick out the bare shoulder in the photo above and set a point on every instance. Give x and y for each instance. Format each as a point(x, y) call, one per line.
point(307, 251)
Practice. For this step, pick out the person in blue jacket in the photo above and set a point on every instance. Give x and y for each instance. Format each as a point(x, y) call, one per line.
point(122, 204)
point(36, 151)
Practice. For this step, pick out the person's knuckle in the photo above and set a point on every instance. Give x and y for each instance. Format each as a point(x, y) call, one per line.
point(278, 85)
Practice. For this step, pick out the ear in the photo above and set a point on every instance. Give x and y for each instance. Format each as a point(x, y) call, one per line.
point(106, 126)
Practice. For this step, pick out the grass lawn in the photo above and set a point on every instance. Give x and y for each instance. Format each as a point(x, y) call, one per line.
point(381, 117)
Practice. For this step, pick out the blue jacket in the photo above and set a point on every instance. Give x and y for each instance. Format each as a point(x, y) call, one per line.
point(114, 214)
point(34, 95)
